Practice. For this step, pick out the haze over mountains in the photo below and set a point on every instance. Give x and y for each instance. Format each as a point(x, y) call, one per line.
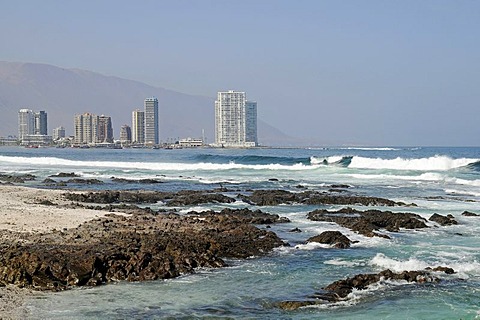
point(62, 93)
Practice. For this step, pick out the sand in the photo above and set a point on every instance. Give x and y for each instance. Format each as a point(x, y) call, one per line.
point(21, 214)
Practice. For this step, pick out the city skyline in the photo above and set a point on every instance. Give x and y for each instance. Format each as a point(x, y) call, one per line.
point(391, 73)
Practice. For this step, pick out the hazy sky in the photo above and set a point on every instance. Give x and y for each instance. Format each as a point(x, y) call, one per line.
point(355, 72)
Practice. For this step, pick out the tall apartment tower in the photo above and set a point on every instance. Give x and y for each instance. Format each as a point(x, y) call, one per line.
point(104, 129)
point(125, 134)
point(151, 121)
point(41, 123)
point(138, 127)
point(85, 128)
point(26, 123)
point(235, 120)
point(58, 133)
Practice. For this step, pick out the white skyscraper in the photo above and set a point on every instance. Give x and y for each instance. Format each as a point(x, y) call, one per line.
point(138, 127)
point(235, 120)
point(151, 121)
point(26, 123)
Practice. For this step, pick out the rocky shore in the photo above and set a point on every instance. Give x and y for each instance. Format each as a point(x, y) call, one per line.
point(55, 240)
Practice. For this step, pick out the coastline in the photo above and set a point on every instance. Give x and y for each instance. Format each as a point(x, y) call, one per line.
point(33, 210)
point(22, 215)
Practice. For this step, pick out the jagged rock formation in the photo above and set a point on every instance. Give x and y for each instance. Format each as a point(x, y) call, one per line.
point(276, 197)
point(143, 246)
point(443, 220)
point(339, 290)
point(334, 238)
point(367, 222)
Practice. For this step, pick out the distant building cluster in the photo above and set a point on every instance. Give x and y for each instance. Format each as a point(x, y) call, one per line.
point(92, 129)
point(235, 126)
point(32, 127)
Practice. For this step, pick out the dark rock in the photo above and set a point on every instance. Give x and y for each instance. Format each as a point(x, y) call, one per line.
point(443, 220)
point(84, 181)
point(339, 290)
point(366, 222)
point(446, 270)
point(140, 181)
point(21, 178)
point(340, 186)
point(49, 181)
point(199, 198)
point(334, 238)
point(295, 230)
point(469, 214)
point(181, 198)
point(273, 179)
point(246, 215)
point(276, 197)
point(65, 175)
point(134, 248)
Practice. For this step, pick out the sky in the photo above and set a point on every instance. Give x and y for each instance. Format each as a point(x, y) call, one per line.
point(395, 73)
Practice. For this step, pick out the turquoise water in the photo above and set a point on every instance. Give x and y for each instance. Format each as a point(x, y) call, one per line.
point(441, 180)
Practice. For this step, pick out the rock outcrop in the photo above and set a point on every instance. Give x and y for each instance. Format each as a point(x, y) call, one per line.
point(334, 238)
point(276, 197)
point(367, 222)
point(143, 246)
point(443, 220)
point(339, 290)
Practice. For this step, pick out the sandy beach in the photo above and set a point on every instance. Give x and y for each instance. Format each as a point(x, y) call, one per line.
point(22, 213)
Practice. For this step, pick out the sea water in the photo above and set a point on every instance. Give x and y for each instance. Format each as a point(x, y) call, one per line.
point(437, 180)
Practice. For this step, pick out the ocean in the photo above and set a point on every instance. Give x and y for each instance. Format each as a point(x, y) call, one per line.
point(437, 180)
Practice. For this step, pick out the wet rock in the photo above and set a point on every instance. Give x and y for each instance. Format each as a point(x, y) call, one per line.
point(65, 175)
point(246, 215)
point(367, 222)
point(334, 238)
point(273, 179)
point(21, 178)
point(84, 181)
point(277, 197)
point(340, 186)
point(469, 214)
point(295, 230)
point(443, 220)
point(198, 198)
point(134, 248)
point(446, 270)
point(181, 198)
point(49, 181)
point(339, 290)
point(139, 181)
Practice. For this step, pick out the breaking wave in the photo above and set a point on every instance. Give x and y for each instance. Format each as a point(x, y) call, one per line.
point(436, 163)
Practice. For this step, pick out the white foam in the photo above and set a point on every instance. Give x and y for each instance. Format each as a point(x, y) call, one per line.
point(340, 262)
point(436, 163)
point(385, 262)
point(159, 166)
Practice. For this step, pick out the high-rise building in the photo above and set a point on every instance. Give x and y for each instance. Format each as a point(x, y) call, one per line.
point(104, 129)
point(138, 127)
point(58, 133)
point(125, 134)
point(151, 121)
point(41, 123)
point(26, 123)
point(85, 128)
point(90, 128)
point(32, 127)
point(235, 120)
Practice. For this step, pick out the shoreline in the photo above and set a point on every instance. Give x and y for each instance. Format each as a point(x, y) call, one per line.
point(22, 215)
point(35, 210)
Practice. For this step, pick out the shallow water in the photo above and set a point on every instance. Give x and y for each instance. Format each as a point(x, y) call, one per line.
point(441, 180)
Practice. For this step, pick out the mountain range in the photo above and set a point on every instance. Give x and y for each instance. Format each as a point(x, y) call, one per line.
point(62, 93)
